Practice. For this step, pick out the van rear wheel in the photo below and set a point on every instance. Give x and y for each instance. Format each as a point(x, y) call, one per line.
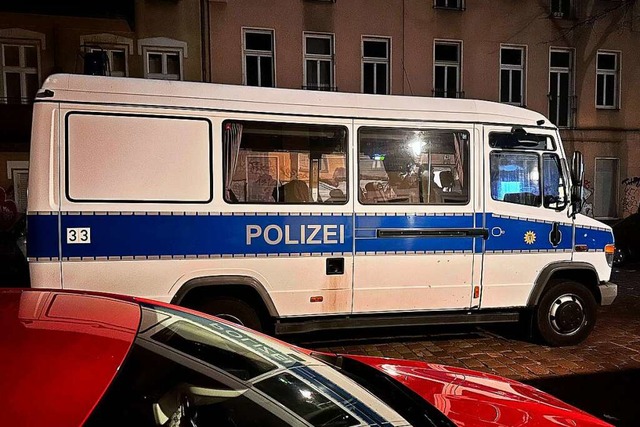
point(566, 314)
point(234, 310)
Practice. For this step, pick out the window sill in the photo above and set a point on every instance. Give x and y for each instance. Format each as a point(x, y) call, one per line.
point(607, 108)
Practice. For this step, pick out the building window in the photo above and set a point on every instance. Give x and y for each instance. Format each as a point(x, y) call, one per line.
point(449, 4)
point(20, 72)
point(605, 195)
point(561, 8)
point(561, 96)
point(116, 48)
point(163, 58)
point(318, 60)
point(375, 65)
point(163, 65)
point(446, 70)
point(117, 65)
point(259, 67)
point(607, 75)
point(512, 76)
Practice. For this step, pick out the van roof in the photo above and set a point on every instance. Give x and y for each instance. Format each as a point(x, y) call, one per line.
point(181, 94)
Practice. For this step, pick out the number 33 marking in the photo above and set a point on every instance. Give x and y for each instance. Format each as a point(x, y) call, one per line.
point(78, 235)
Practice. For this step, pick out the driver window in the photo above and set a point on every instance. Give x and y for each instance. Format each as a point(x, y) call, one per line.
point(515, 177)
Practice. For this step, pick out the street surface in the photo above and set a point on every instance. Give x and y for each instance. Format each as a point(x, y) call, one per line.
point(600, 376)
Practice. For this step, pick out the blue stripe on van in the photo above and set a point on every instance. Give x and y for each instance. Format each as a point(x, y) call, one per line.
point(42, 236)
point(367, 239)
point(128, 235)
point(519, 234)
point(182, 235)
point(595, 239)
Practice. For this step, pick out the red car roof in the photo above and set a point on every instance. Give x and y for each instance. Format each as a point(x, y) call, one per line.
point(59, 352)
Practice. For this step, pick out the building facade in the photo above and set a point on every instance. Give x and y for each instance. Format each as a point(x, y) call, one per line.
point(574, 61)
point(141, 38)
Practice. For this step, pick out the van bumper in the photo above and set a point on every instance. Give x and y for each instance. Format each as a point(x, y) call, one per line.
point(608, 292)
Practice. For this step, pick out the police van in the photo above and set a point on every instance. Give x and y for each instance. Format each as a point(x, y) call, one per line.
point(292, 211)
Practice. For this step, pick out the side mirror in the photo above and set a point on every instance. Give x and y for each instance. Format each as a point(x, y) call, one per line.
point(577, 169)
point(577, 181)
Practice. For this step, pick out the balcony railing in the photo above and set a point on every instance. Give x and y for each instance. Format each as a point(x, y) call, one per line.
point(321, 87)
point(443, 93)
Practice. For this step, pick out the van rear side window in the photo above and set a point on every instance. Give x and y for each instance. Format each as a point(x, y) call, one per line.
point(138, 158)
point(284, 163)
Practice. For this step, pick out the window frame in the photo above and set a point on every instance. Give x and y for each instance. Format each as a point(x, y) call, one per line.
point(265, 155)
point(109, 51)
point(460, 5)
point(466, 165)
point(109, 43)
point(163, 46)
point(570, 70)
point(259, 54)
point(376, 61)
point(318, 58)
point(459, 93)
point(21, 69)
point(616, 80)
point(557, 12)
point(509, 67)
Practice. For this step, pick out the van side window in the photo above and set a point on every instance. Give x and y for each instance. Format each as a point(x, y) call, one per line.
point(292, 163)
point(413, 166)
point(515, 177)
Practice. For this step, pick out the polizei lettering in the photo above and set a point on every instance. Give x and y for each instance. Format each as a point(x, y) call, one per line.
point(303, 234)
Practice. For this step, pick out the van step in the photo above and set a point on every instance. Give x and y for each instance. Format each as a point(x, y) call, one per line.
point(299, 325)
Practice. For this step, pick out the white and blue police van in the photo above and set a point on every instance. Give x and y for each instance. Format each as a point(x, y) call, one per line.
point(292, 211)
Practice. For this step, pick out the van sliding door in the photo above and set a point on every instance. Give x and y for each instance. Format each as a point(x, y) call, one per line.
point(415, 223)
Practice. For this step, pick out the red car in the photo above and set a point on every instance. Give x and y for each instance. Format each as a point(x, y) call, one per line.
point(77, 358)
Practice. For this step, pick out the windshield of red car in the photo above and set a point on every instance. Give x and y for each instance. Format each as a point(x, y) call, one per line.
point(189, 370)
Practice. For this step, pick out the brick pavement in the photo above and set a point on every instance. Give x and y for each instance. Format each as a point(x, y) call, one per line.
point(601, 375)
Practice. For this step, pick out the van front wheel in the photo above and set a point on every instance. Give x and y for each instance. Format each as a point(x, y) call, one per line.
point(234, 310)
point(566, 314)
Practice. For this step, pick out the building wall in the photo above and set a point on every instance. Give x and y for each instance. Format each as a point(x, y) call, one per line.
point(166, 24)
point(482, 28)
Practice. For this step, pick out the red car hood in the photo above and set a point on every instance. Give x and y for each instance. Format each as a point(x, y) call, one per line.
point(472, 398)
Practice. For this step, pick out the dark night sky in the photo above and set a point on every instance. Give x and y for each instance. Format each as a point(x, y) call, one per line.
point(88, 8)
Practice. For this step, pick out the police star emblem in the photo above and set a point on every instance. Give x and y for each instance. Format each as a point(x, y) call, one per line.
point(529, 237)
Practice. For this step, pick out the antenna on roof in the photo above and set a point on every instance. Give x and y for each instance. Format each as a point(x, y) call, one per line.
point(540, 122)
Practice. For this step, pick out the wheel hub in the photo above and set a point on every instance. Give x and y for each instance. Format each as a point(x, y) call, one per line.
point(567, 314)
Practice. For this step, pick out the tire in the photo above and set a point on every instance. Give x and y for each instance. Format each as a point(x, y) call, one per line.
point(566, 314)
point(234, 310)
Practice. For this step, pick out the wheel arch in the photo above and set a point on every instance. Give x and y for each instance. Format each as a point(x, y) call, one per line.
point(245, 288)
point(580, 272)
